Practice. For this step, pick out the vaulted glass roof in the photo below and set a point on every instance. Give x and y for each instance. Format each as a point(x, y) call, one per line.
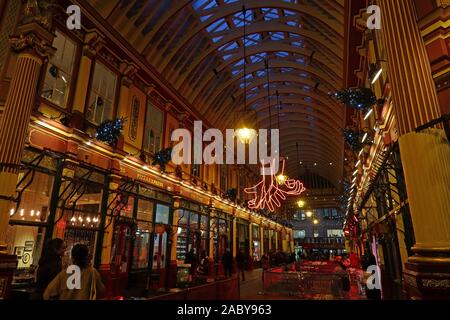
point(198, 46)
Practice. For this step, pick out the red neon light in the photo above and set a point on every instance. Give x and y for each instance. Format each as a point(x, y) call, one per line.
point(268, 195)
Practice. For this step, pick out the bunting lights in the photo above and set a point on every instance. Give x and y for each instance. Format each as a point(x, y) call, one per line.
point(269, 193)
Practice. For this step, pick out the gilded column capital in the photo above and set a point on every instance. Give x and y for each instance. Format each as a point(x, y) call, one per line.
point(32, 38)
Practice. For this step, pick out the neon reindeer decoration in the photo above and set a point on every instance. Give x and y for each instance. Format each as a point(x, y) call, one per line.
point(268, 194)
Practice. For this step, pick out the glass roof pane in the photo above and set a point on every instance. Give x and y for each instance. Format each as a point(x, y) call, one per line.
point(270, 14)
point(219, 25)
point(282, 54)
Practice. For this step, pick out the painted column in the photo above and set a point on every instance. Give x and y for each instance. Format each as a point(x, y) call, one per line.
point(176, 214)
point(425, 156)
point(105, 262)
point(235, 240)
point(33, 45)
point(250, 246)
point(212, 233)
point(261, 236)
point(276, 239)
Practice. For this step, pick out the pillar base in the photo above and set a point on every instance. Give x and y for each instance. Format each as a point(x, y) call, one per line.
point(427, 274)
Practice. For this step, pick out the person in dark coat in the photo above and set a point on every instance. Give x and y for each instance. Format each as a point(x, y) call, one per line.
point(227, 261)
point(192, 260)
point(203, 266)
point(50, 265)
point(240, 261)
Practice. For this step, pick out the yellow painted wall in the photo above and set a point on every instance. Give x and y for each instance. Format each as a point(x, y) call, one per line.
point(134, 144)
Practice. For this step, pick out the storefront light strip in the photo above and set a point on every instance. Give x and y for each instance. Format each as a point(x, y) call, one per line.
point(146, 168)
point(182, 183)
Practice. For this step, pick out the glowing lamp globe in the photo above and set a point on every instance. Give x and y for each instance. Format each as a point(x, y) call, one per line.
point(281, 179)
point(245, 135)
point(309, 214)
point(316, 221)
point(300, 203)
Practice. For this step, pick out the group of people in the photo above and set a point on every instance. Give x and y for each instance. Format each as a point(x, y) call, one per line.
point(55, 282)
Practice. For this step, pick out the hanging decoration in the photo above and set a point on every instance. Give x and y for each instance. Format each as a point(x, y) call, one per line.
point(162, 158)
point(353, 139)
point(358, 98)
point(268, 193)
point(99, 102)
point(231, 194)
point(109, 131)
point(54, 72)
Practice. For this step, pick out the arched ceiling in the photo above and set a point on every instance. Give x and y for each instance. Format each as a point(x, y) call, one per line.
point(198, 46)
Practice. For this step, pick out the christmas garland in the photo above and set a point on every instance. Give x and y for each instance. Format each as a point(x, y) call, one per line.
point(109, 131)
point(358, 98)
point(162, 158)
point(354, 139)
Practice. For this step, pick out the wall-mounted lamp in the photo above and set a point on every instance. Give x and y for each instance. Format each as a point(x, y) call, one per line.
point(375, 71)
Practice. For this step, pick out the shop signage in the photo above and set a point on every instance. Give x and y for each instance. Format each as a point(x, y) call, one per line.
point(149, 180)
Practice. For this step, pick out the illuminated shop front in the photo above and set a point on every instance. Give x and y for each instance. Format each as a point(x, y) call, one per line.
point(193, 229)
point(141, 216)
point(266, 241)
point(243, 237)
point(221, 231)
point(30, 218)
point(79, 208)
point(256, 242)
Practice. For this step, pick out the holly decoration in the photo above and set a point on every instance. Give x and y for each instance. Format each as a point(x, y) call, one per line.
point(162, 158)
point(358, 98)
point(352, 138)
point(109, 131)
point(231, 194)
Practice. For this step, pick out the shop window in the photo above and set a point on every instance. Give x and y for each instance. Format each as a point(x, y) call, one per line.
point(145, 210)
point(299, 234)
point(334, 233)
point(204, 222)
point(141, 250)
point(26, 232)
point(80, 223)
point(58, 76)
point(162, 214)
point(141, 245)
point(193, 221)
point(154, 121)
point(182, 234)
point(79, 211)
point(102, 95)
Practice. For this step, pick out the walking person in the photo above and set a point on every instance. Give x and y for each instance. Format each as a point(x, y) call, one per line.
point(49, 266)
point(227, 261)
point(192, 260)
point(90, 283)
point(240, 261)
